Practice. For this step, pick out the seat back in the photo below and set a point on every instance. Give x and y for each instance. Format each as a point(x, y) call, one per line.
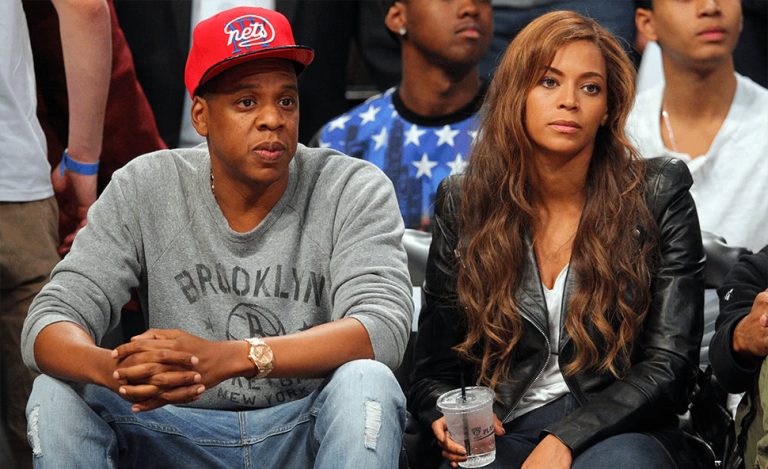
point(721, 257)
point(416, 245)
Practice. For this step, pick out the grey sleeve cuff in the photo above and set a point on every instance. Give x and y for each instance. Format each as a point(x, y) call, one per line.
point(29, 336)
point(388, 344)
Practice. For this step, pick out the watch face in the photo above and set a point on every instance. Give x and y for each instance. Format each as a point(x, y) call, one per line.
point(264, 352)
point(261, 355)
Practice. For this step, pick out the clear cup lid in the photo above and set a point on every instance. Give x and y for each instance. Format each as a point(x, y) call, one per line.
point(476, 397)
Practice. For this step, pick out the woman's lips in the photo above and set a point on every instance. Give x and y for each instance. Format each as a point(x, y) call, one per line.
point(565, 127)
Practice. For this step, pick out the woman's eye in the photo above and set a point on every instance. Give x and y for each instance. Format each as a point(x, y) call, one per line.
point(591, 88)
point(548, 82)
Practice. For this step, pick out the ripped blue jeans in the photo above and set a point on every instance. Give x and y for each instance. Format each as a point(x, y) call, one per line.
point(355, 420)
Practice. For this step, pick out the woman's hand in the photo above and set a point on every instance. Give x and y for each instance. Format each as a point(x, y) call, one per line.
point(453, 451)
point(550, 453)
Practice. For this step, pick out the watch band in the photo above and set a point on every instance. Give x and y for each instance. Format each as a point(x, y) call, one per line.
point(260, 354)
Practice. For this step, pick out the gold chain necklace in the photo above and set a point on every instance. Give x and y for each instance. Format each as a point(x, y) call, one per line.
point(667, 125)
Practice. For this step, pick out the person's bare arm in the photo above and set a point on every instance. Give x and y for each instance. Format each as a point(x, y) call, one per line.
point(65, 350)
point(86, 43)
point(318, 351)
point(313, 353)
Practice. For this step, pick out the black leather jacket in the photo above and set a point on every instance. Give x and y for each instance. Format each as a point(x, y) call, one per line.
point(665, 356)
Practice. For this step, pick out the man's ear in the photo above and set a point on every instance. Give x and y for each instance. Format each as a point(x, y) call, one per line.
point(645, 24)
point(396, 19)
point(200, 115)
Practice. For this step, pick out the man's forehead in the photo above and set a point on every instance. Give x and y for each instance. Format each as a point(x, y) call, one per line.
point(257, 74)
point(263, 66)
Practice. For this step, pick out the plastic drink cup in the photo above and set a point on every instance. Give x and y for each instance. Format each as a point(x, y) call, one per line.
point(470, 423)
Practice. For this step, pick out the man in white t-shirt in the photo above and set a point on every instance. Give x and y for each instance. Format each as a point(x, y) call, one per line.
point(710, 117)
point(28, 209)
point(707, 115)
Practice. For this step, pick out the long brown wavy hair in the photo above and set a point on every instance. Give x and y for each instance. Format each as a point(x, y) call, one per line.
point(612, 261)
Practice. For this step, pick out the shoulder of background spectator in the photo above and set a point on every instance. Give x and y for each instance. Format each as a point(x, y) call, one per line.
point(315, 140)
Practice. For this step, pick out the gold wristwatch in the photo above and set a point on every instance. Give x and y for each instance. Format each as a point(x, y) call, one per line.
point(260, 355)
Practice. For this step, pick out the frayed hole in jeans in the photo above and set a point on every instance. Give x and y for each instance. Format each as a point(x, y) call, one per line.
point(33, 432)
point(372, 423)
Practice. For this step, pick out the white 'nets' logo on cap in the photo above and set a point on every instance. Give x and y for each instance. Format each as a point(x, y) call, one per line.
point(249, 31)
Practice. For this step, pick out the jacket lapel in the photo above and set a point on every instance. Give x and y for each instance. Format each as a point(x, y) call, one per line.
point(570, 284)
point(530, 297)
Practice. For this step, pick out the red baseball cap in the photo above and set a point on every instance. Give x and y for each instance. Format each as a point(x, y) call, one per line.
point(240, 35)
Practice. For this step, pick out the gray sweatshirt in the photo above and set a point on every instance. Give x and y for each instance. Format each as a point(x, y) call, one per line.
point(330, 248)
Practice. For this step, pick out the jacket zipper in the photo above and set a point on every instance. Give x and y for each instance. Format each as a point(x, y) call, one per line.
point(457, 255)
point(538, 375)
point(546, 339)
point(562, 343)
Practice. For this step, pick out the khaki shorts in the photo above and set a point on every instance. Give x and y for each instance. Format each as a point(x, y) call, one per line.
point(28, 243)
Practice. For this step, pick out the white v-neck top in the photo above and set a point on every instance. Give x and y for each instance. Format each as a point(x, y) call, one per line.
point(550, 384)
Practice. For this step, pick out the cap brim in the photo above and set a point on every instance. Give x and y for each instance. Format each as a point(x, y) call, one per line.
point(300, 55)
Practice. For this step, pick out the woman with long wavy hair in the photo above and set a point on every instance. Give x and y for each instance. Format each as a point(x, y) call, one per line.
point(565, 271)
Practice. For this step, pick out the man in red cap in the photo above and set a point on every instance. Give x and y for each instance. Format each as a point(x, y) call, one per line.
point(272, 277)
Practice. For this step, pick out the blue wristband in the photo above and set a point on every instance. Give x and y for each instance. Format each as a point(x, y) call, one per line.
point(86, 169)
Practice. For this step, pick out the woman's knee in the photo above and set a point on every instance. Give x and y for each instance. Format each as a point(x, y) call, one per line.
point(629, 450)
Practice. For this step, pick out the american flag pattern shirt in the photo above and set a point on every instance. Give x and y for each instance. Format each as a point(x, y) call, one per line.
point(415, 152)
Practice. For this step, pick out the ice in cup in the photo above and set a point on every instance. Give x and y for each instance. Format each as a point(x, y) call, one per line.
point(470, 423)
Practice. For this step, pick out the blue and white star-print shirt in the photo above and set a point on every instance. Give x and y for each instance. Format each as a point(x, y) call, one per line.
point(416, 152)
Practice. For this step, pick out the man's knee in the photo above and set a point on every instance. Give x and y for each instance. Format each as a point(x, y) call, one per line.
point(368, 389)
point(369, 385)
point(50, 391)
point(58, 416)
point(365, 368)
point(375, 378)
point(51, 401)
